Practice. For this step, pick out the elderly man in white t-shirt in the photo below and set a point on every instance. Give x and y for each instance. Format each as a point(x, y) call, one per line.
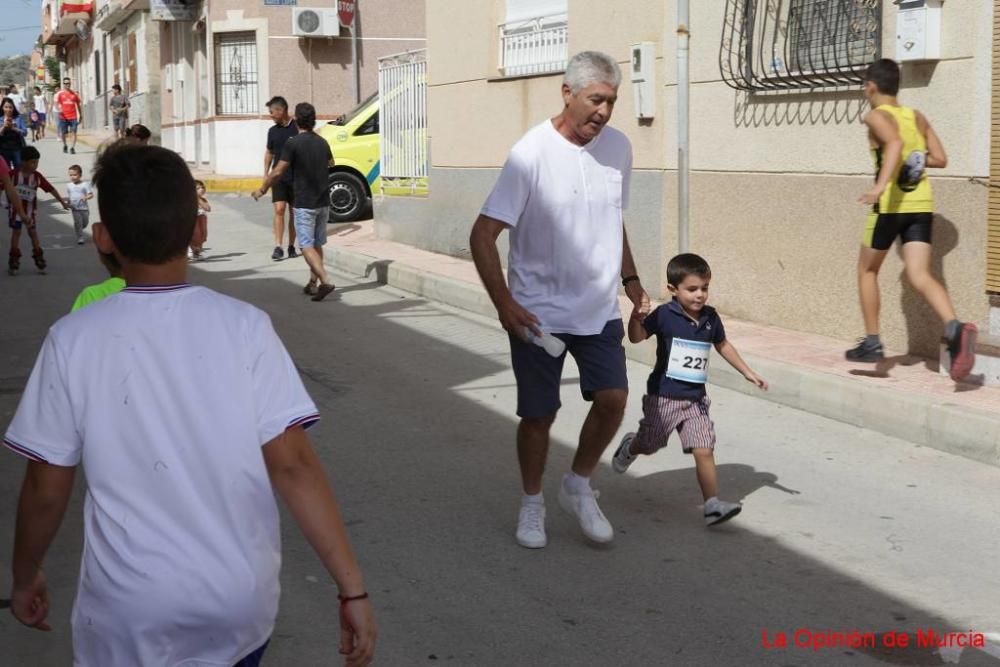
point(561, 194)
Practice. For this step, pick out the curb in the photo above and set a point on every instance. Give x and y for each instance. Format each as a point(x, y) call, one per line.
point(922, 420)
point(231, 184)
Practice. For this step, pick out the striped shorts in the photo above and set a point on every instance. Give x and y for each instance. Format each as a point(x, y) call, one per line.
point(661, 416)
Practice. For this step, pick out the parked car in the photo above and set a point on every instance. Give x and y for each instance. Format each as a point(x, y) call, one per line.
point(354, 175)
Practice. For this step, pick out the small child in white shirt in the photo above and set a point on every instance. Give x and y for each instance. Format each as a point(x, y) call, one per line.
point(80, 193)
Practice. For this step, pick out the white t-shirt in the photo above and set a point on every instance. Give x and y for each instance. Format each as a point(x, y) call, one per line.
point(564, 205)
point(166, 395)
point(39, 101)
point(18, 100)
point(78, 195)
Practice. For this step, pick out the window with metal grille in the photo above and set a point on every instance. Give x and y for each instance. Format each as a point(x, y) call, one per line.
point(788, 44)
point(829, 35)
point(236, 73)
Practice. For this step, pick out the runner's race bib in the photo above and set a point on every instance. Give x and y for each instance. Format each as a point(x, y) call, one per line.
point(688, 361)
point(912, 171)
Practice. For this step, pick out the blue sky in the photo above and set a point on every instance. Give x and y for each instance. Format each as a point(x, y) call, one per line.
point(16, 14)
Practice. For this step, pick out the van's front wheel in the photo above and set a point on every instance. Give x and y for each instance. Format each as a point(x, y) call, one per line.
point(348, 198)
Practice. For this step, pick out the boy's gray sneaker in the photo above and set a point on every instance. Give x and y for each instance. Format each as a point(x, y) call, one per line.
point(719, 511)
point(624, 457)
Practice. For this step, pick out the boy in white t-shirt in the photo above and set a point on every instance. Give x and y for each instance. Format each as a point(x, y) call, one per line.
point(80, 193)
point(182, 549)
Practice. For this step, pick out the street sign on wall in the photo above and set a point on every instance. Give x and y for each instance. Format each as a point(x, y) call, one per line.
point(174, 10)
point(345, 10)
point(289, 3)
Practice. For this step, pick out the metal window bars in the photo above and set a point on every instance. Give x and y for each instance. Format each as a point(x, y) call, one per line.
point(236, 73)
point(534, 46)
point(798, 44)
point(402, 86)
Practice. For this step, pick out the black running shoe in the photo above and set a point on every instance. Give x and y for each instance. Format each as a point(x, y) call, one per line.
point(278, 253)
point(322, 291)
point(291, 252)
point(72, 151)
point(866, 352)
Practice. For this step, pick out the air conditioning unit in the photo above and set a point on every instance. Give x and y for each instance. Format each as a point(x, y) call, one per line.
point(315, 22)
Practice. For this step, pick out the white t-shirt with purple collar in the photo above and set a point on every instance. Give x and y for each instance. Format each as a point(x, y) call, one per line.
point(181, 546)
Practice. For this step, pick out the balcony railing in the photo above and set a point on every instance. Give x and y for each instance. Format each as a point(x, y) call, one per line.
point(535, 46)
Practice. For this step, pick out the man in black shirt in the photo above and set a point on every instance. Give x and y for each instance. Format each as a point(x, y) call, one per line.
point(282, 194)
point(309, 157)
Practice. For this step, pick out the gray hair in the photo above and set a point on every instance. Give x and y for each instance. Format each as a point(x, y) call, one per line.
point(589, 67)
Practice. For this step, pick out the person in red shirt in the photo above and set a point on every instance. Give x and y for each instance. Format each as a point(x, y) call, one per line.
point(7, 187)
point(27, 180)
point(70, 113)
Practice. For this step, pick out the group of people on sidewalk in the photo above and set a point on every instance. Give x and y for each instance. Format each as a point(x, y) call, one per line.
point(183, 460)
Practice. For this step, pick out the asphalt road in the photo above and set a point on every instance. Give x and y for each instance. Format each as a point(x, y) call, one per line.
point(842, 530)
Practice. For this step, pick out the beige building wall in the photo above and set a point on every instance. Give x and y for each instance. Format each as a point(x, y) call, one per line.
point(775, 177)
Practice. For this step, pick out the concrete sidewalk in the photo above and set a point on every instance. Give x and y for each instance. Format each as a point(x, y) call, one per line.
point(903, 397)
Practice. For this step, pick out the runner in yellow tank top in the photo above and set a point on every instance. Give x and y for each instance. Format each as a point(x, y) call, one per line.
point(904, 146)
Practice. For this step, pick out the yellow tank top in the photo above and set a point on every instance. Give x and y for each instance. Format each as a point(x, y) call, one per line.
point(909, 191)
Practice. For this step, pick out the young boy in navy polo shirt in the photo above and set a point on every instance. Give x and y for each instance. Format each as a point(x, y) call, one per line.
point(685, 330)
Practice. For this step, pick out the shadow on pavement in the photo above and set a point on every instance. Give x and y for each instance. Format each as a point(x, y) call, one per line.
point(428, 481)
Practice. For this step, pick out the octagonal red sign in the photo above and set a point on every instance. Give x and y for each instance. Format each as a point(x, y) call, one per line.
point(345, 10)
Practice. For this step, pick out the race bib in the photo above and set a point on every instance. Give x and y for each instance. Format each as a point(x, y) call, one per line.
point(688, 361)
point(911, 172)
point(26, 193)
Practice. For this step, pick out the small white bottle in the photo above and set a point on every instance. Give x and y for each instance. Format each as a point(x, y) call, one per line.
point(546, 341)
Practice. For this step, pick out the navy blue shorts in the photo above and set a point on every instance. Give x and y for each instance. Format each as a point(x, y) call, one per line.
point(253, 660)
point(601, 359)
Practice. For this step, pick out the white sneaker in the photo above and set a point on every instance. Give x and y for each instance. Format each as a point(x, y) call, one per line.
point(584, 507)
point(720, 511)
point(624, 457)
point(531, 526)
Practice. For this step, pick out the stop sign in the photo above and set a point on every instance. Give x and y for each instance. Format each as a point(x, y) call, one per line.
point(345, 10)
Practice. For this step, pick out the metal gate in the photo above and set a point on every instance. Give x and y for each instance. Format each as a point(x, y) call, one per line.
point(402, 87)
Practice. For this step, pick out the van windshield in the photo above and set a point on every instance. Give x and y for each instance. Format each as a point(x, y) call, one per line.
point(352, 114)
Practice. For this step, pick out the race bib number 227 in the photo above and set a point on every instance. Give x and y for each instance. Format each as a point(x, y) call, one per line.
point(688, 360)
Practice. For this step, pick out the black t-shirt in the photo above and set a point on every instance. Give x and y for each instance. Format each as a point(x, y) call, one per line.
point(277, 135)
point(308, 156)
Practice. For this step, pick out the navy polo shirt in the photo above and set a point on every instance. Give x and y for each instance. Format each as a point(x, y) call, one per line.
point(668, 322)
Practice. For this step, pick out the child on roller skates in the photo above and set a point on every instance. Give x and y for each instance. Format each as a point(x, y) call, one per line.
point(27, 180)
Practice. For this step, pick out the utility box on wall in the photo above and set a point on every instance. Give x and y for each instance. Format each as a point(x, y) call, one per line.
point(918, 30)
point(643, 77)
